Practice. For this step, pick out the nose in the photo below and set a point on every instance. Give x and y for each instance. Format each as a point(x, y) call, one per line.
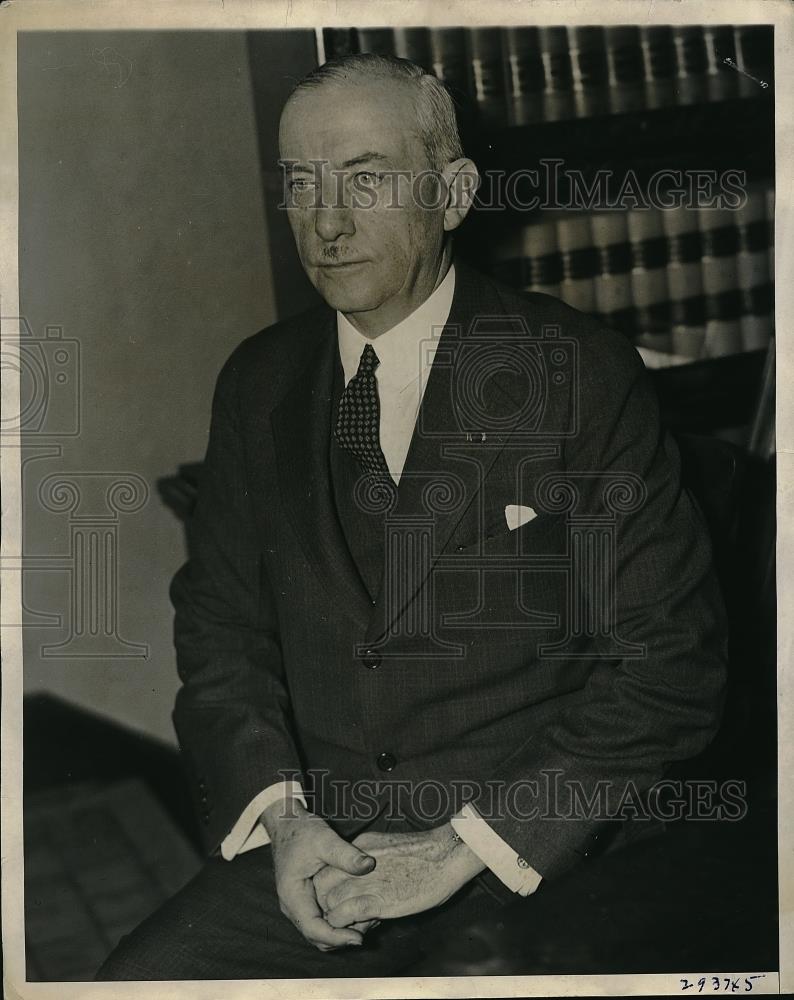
point(333, 221)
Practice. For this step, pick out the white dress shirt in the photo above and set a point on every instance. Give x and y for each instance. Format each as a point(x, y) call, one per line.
point(405, 353)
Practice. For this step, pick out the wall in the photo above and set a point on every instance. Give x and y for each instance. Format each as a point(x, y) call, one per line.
point(143, 237)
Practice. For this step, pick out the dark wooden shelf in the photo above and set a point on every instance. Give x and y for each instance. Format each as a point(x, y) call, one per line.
point(712, 394)
point(736, 134)
point(717, 130)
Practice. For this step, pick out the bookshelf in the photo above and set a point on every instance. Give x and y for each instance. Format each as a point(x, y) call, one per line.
point(691, 286)
point(709, 135)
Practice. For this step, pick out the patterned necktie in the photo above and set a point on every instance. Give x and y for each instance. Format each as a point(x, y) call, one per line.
point(358, 419)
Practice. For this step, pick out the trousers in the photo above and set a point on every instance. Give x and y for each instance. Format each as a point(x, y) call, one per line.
point(226, 924)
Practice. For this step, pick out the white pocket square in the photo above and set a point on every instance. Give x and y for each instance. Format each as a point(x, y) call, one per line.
point(516, 515)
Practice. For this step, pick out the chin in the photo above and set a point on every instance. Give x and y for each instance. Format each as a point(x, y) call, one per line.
point(345, 296)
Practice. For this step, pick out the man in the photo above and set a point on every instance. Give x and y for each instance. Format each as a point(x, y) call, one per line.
point(440, 544)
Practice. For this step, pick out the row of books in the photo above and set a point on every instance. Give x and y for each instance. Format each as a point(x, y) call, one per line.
point(519, 75)
point(684, 283)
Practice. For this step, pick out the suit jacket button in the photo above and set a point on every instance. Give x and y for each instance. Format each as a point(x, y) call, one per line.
point(386, 761)
point(205, 818)
point(371, 659)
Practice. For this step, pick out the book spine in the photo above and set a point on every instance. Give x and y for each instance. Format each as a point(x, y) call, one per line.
point(752, 269)
point(579, 262)
point(542, 262)
point(660, 65)
point(339, 42)
point(690, 47)
point(379, 41)
point(487, 82)
point(754, 58)
point(626, 69)
point(525, 75)
point(685, 282)
point(723, 80)
point(414, 44)
point(613, 299)
point(719, 240)
point(558, 98)
point(649, 289)
point(448, 51)
point(589, 69)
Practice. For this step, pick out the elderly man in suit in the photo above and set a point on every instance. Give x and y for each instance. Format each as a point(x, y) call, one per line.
point(448, 602)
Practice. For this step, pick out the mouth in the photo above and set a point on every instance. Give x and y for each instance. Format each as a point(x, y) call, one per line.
point(339, 264)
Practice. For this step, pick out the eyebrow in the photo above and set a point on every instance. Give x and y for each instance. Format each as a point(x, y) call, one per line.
point(368, 157)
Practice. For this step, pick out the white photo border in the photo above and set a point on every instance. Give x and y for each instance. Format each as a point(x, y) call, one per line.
point(239, 15)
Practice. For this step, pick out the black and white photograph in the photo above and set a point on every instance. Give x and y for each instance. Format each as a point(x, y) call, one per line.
point(394, 498)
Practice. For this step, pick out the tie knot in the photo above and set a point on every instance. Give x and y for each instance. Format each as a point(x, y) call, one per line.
point(369, 361)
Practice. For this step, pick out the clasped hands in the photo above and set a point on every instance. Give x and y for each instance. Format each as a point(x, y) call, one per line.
point(334, 891)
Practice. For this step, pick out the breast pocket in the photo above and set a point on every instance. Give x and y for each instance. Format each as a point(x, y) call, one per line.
point(497, 538)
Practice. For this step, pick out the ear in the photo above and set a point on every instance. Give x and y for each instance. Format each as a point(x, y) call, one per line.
point(461, 179)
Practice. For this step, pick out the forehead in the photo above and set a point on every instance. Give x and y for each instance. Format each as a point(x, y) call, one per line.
point(337, 121)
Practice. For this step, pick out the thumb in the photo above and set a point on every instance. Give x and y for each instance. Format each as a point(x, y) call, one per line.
point(349, 858)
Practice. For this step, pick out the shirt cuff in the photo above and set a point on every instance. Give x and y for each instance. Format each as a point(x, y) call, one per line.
point(248, 833)
point(516, 873)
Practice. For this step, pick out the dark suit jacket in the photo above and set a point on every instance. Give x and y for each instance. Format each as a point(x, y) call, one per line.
point(587, 646)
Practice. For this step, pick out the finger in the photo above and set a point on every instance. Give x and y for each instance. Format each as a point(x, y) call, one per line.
point(355, 910)
point(304, 911)
point(370, 841)
point(321, 935)
point(364, 926)
point(350, 859)
point(367, 841)
point(348, 888)
point(325, 880)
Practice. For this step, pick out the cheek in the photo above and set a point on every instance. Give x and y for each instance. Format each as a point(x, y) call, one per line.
point(296, 223)
point(390, 233)
point(302, 229)
point(424, 227)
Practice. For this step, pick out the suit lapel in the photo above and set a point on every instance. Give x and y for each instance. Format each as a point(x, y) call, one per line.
point(459, 434)
point(301, 425)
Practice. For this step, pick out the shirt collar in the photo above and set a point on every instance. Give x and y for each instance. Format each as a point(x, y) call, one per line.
point(407, 350)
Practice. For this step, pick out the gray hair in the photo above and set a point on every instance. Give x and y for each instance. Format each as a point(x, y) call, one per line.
point(435, 110)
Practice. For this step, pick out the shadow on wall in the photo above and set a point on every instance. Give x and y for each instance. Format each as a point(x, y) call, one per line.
point(147, 253)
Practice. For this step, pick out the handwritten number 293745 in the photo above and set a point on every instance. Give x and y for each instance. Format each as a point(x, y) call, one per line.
point(720, 984)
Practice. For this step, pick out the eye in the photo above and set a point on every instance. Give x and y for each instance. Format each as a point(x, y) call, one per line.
point(299, 184)
point(367, 178)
